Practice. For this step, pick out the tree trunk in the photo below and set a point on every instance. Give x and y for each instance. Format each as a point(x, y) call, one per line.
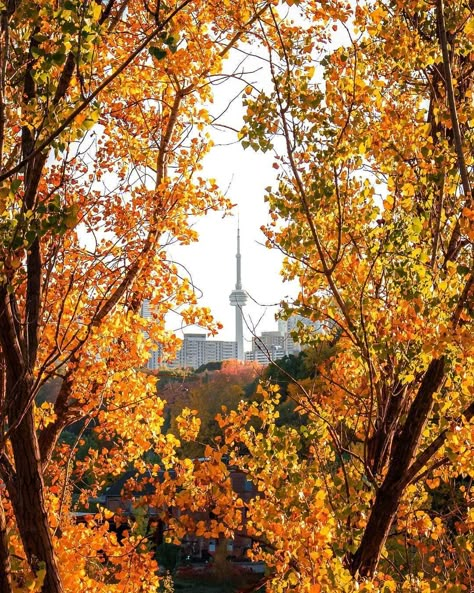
point(387, 499)
point(28, 501)
point(5, 567)
point(383, 513)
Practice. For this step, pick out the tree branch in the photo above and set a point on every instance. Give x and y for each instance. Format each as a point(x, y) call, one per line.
point(448, 80)
point(87, 101)
point(427, 454)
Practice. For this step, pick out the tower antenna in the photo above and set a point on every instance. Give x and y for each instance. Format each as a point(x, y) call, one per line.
point(238, 299)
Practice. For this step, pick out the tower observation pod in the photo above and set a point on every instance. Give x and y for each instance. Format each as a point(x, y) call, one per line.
point(238, 299)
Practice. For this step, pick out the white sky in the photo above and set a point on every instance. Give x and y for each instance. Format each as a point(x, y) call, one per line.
point(243, 175)
point(246, 173)
point(212, 262)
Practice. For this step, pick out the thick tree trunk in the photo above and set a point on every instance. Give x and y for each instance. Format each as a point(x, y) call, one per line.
point(383, 513)
point(5, 567)
point(387, 499)
point(29, 504)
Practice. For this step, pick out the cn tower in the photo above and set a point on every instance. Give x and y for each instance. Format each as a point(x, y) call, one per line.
point(238, 299)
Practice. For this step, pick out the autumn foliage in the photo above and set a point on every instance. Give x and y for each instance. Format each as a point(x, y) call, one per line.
point(103, 126)
point(373, 209)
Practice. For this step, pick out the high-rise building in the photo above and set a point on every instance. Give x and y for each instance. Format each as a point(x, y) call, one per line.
point(273, 345)
point(268, 346)
point(196, 350)
point(145, 309)
point(238, 299)
point(270, 340)
point(287, 326)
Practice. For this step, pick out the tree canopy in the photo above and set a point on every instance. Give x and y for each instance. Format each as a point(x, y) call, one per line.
point(103, 126)
point(373, 209)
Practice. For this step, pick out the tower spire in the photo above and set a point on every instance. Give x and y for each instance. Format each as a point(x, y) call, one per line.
point(238, 299)
point(238, 284)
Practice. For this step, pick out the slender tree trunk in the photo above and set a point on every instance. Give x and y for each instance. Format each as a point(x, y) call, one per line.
point(28, 498)
point(5, 567)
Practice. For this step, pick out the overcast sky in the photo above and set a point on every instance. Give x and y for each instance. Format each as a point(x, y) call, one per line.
point(246, 173)
point(211, 262)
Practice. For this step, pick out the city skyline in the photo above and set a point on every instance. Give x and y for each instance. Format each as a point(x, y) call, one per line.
point(197, 349)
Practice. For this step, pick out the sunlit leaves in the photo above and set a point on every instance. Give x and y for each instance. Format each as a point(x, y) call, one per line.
point(105, 122)
point(367, 209)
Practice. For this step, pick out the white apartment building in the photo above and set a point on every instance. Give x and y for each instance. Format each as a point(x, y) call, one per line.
point(198, 350)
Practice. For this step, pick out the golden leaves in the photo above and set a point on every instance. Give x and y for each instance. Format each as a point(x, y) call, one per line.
point(188, 424)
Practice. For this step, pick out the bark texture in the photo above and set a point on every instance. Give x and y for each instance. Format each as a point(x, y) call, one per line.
point(5, 566)
point(28, 497)
point(388, 496)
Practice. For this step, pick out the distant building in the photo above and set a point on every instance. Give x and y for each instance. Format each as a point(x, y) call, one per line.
point(197, 350)
point(264, 355)
point(287, 326)
point(269, 339)
point(145, 309)
point(268, 346)
point(273, 345)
